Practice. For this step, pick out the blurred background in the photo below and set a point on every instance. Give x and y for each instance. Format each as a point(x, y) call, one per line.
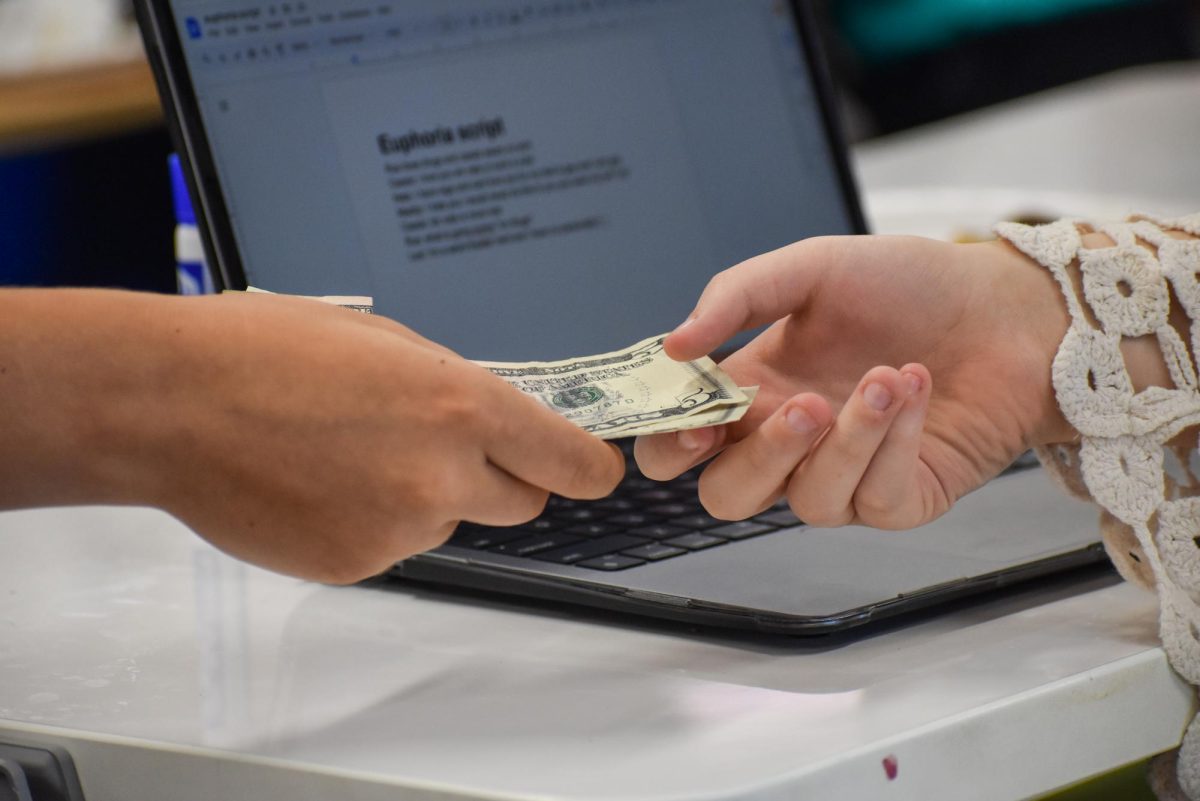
point(84, 193)
point(902, 63)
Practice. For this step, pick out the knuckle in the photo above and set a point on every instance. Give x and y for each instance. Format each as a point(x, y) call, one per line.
point(818, 246)
point(427, 493)
point(458, 409)
point(875, 510)
point(895, 511)
point(529, 505)
point(720, 279)
point(721, 284)
point(717, 509)
point(654, 458)
point(822, 520)
point(890, 519)
point(759, 458)
point(519, 506)
point(403, 542)
point(457, 402)
point(817, 516)
point(592, 476)
point(421, 541)
point(717, 503)
point(819, 503)
point(585, 478)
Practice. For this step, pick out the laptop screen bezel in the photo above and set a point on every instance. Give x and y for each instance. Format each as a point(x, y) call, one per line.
point(185, 124)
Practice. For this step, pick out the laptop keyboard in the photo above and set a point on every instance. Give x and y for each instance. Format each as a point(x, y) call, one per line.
point(642, 521)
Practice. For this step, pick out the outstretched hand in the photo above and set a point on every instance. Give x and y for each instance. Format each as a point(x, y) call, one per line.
point(304, 438)
point(897, 375)
point(338, 443)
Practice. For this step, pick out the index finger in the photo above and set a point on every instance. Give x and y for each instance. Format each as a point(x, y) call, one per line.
point(544, 449)
point(755, 292)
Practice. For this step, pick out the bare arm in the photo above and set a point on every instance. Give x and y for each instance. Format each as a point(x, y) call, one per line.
point(308, 439)
point(898, 375)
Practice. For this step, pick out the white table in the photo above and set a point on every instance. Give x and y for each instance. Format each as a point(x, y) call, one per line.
point(1117, 143)
point(169, 670)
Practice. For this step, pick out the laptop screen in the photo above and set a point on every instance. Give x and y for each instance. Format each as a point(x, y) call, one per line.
point(515, 180)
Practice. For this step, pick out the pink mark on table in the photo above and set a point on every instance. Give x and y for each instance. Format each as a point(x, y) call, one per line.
point(891, 766)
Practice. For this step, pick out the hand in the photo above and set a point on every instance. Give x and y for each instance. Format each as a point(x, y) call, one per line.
point(302, 437)
point(344, 442)
point(898, 375)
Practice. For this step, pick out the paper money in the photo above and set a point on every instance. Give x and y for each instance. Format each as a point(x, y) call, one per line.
point(630, 392)
point(358, 303)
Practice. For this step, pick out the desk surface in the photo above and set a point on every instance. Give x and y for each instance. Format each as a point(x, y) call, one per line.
point(1119, 142)
point(163, 665)
point(142, 635)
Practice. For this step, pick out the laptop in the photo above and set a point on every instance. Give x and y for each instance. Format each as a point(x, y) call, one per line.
point(536, 180)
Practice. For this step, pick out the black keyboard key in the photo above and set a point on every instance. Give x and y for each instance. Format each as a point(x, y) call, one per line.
point(617, 504)
point(593, 529)
point(696, 541)
point(631, 519)
point(741, 530)
point(528, 546)
point(779, 517)
point(697, 521)
point(613, 562)
point(672, 509)
point(587, 549)
point(658, 531)
point(654, 551)
point(579, 514)
point(541, 525)
point(482, 538)
point(658, 494)
point(559, 502)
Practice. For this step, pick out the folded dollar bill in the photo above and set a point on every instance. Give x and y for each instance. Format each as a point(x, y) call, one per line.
point(630, 392)
point(358, 303)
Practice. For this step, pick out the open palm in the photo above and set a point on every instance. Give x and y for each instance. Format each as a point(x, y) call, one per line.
point(897, 375)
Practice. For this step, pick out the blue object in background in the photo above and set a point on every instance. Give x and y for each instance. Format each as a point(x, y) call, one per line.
point(191, 269)
point(185, 213)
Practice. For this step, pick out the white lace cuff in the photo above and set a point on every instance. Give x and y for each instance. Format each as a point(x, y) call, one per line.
point(1136, 455)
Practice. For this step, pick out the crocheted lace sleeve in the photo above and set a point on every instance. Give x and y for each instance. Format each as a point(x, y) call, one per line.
point(1136, 455)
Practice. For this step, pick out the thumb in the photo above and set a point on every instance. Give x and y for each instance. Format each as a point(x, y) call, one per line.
point(758, 291)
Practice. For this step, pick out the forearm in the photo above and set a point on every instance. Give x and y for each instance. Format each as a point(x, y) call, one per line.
point(79, 374)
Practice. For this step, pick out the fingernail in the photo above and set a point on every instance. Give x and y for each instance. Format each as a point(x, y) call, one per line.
point(912, 383)
point(689, 440)
point(877, 397)
point(801, 421)
point(691, 319)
